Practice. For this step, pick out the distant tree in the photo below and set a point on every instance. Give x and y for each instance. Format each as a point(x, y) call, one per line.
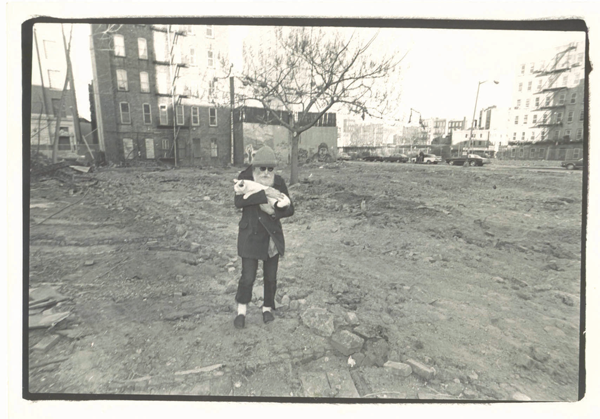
point(310, 70)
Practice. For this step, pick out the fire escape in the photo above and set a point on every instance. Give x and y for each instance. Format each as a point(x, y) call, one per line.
point(553, 103)
point(175, 62)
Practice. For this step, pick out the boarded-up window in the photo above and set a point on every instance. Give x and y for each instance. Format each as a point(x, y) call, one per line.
point(149, 148)
point(119, 45)
point(214, 148)
point(144, 82)
point(128, 148)
point(64, 139)
point(143, 48)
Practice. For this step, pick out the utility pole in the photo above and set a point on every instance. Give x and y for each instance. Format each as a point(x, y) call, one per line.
point(44, 110)
point(60, 106)
point(231, 105)
point(74, 110)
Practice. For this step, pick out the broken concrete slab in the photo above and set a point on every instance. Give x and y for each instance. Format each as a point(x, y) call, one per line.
point(47, 342)
point(315, 384)
point(421, 370)
point(341, 381)
point(347, 342)
point(351, 318)
point(45, 293)
point(403, 369)
point(41, 321)
point(366, 331)
point(319, 321)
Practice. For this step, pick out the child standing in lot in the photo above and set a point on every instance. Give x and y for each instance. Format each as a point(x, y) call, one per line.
point(260, 235)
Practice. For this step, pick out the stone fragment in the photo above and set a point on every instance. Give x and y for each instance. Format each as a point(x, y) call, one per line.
point(524, 361)
point(539, 355)
point(498, 279)
point(454, 388)
point(473, 376)
point(315, 384)
point(554, 331)
point(285, 301)
point(231, 269)
point(88, 263)
point(520, 397)
point(343, 383)
point(319, 321)
point(47, 342)
point(351, 318)
point(403, 369)
point(421, 370)
point(294, 305)
point(469, 393)
point(346, 342)
point(358, 358)
point(425, 395)
point(377, 351)
point(366, 331)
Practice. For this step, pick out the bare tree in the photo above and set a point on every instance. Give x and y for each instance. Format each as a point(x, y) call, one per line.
point(309, 71)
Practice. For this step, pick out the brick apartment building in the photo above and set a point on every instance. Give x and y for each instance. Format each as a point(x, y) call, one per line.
point(156, 94)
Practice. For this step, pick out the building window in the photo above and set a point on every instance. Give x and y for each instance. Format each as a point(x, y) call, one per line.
point(547, 100)
point(581, 116)
point(539, 86)
point(559, 116)
point(144, 82)
point(529, 86)
point(162, 80)
point(55, 79)
point(195, 115)
point(520, 87)
point(143, 48)
point(532, 152)
point(163, 114)
point(576, 153)
point(521, 152)
point(210, 57)
point(212, 117)
point(214, 148)
point(543, 135)
point(537, 102)
point(525, 119)
point(516, 119)
point(125, 115)
point(165, 146)
point(192, 56)
point(542, 152)
point(119, 45)
point(55, 108)
point(513, 152)
point(534, 119)
point(570, 116)
point(179, 115)
point(573, 97)
point(532, 68)
point(64, 139)
point(532, 136)
point(518, 104)
point(527, 103)
point(522, 69)
point(568, 133)
point(122, 80)
point(210, 31)
point(147, 114)
point(561, 99)
point(579, 133)
point(522, 136)
point(556, 134)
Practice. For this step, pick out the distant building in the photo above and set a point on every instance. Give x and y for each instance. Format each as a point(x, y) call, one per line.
point(48, 80)
point(456, 124)
point(435, 127)
point(548, 106)
point(156, 94)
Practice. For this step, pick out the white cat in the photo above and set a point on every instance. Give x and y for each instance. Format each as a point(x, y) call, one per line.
point(250, 187)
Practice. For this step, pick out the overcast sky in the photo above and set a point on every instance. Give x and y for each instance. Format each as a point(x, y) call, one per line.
point(441, 71)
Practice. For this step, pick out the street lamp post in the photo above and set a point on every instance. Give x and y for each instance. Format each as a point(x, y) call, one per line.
point(473, 120)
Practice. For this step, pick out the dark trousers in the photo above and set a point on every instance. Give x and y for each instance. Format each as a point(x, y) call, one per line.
point(249, 268)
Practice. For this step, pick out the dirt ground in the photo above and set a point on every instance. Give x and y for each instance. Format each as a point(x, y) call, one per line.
point(469, 275)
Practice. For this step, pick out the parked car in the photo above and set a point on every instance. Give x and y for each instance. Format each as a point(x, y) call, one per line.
point(471, 160)
point(573, 164)
point(344, 156)
point(373, 158)
point(427, 159)
point(399, 158)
